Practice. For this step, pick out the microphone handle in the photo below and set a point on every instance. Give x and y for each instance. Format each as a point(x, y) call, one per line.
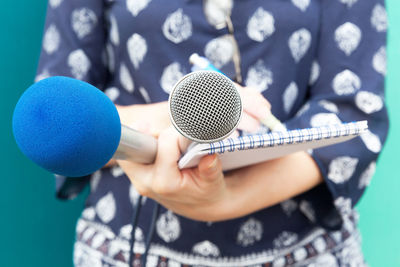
point(136, 146)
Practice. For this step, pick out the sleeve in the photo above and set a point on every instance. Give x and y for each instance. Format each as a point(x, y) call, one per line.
point(73, 45)
point(347, 84)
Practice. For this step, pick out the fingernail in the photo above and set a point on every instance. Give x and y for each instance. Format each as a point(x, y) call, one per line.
point(213, 164)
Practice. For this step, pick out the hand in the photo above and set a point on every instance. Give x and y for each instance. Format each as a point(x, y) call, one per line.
point(198, 193)
point(255, 108)
point(150, 118)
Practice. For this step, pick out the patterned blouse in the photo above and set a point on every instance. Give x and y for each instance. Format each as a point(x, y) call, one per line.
point(317, 62)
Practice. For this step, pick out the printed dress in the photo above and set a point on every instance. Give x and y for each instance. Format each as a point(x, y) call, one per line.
point(317, 62)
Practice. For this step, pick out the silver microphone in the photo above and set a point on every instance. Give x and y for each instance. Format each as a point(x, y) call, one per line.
point(205, 106)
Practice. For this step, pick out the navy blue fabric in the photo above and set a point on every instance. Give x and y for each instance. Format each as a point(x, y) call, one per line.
point(317, 62)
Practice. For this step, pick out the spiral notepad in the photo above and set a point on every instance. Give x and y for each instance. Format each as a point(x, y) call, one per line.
point(252, 149)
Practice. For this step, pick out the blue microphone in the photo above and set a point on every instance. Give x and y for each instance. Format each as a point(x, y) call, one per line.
point(71, 128)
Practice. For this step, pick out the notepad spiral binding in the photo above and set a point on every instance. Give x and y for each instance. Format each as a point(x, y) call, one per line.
point(280, 138)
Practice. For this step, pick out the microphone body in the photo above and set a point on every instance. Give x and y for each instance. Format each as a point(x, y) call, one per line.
point(136, 146)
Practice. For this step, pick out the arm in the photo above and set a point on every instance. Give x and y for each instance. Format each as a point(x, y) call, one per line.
point(349, 86)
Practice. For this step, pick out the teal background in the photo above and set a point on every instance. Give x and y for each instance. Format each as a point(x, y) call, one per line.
point(38, 230)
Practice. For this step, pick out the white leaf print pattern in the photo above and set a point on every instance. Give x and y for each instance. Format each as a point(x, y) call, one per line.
point(134, 196)
point(300, 254)
point(379, 61)
point(307, 209)
point(137, 49)
point(299, 43)
point(177, 27)
point(55, 3)
point(285, 239)
point(135, 6)
point(289, 206)
point(152, 261)
point(319, 244)
point(106, 208)
point(110, 57)
point(116, 171)
point(94, 181)
point(315, 71)
point(219, 51)
point(301, 4)
point(368, 102)
point(279, 262)
point(322, 119)
point(379, 18)
point(259, 76)
point(351, 254)
point(326, 260)
point(346, 82)
point(145, 95)
point(371, 141)
point(114, 33)
point(115, 246)
point(98, 240)
point(172, 263)
point(170, 76)
point(366, 176)
point(83, 21)
point(126, 231)
point(216, 12)
point(79, 64)
point(125, 78)
point(348, 37)
point(112, 93)
point(250, 232)
point(89, 213)
point(342, 168)
point(343, 205)
point(51, 40)
point(43, 75)
point(349, 3)
point(206, 248)
point(88, 233)
point(168, 227)
point(261, 25)
point(290, 96)
point(303, 109)
point(329, 106)
point(82, 258)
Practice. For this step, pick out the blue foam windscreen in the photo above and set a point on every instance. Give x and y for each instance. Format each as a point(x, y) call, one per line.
point(66, 126)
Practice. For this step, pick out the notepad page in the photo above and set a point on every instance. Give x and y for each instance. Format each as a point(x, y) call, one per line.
point(253, 149)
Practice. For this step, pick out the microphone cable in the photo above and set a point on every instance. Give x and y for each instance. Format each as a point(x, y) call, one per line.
point(135, 220)
point(154, 216)
point(134, 223)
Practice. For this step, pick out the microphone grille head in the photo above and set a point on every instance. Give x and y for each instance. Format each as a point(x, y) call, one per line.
point(66, 126)
point(205, 106)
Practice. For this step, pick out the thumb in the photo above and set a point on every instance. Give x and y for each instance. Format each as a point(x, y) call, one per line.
point(210, 168)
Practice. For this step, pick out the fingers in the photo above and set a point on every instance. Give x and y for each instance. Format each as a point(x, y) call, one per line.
point(254, 103)
point(249, 123)
point(168, 147)
point(210, 168)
